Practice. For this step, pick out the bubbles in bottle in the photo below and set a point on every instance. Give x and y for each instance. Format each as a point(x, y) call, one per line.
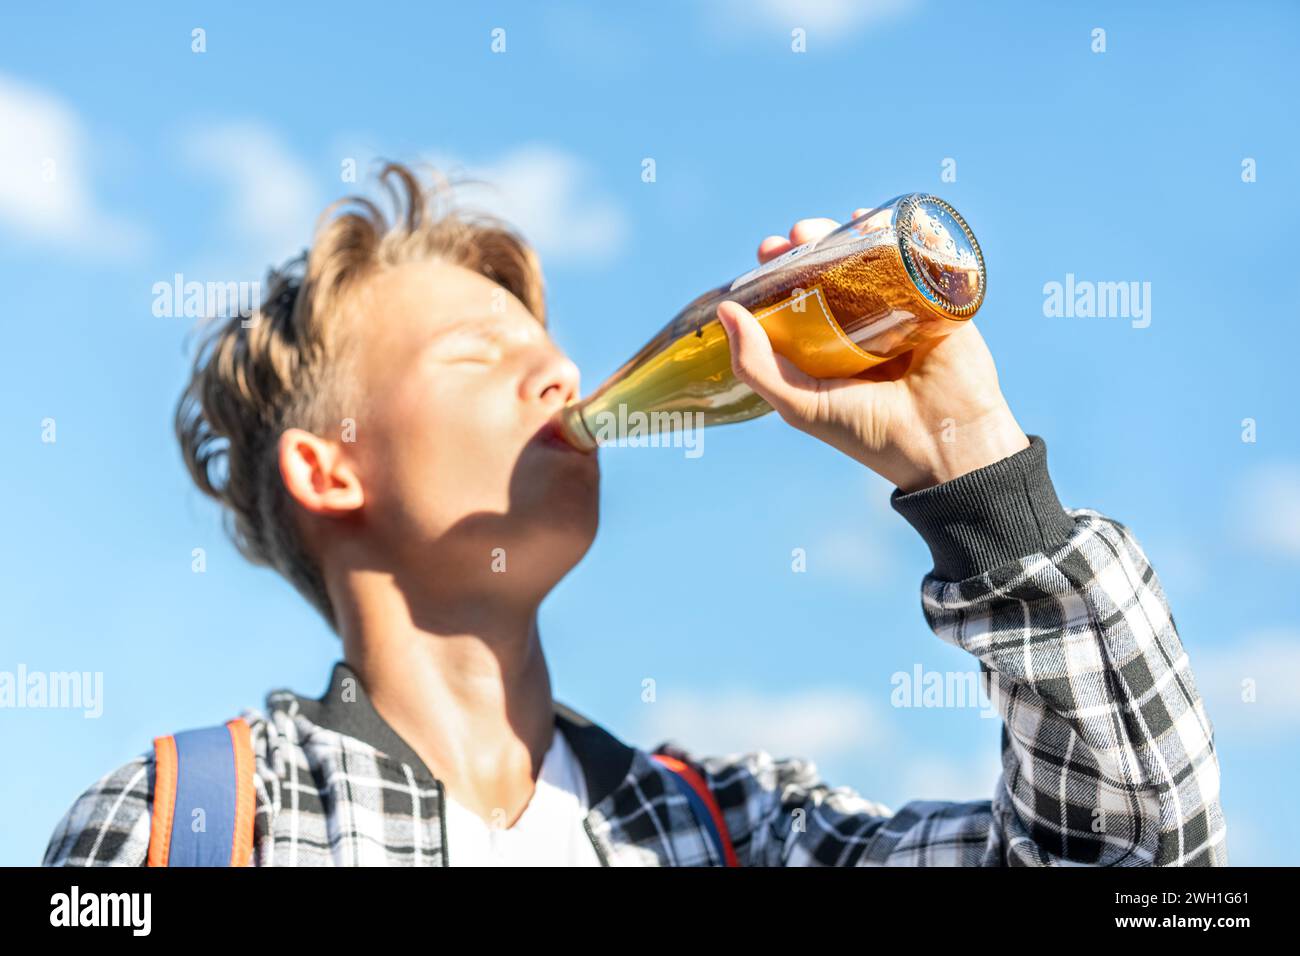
point(942, 252)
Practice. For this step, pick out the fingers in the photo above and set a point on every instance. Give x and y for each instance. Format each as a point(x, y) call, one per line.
point(806, 230)
point(775, 378)
point(771, 247)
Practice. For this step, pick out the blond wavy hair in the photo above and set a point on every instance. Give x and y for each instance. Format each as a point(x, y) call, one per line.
point(287, 364)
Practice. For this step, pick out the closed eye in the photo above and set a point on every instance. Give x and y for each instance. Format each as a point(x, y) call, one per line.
point(484, 341)
point(480, 346)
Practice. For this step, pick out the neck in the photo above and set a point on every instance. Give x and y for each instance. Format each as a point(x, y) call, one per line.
point(463, 681)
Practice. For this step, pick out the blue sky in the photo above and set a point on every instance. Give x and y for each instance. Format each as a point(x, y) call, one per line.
point(1122, 165)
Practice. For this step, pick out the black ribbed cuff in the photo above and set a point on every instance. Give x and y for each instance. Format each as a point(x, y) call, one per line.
point(988, 517)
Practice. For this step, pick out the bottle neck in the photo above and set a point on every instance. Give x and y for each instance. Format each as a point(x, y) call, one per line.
point(573, 428)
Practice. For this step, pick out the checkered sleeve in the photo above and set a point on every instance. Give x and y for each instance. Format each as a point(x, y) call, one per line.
point(1108, 755)
point(108, 824)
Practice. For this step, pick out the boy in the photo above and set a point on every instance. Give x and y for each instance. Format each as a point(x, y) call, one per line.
point(438, 741)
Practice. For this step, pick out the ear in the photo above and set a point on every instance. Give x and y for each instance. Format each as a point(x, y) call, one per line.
point(318, 474)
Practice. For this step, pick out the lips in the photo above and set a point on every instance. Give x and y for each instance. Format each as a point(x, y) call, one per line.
point(551, 436)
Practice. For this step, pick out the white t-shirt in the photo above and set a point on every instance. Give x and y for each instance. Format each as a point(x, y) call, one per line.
point(548, 833)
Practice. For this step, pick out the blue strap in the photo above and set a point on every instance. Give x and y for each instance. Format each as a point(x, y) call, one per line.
point(701, 812)
point(205, 780)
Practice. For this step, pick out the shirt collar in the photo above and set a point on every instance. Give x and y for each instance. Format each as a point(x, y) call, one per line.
point(345, 708)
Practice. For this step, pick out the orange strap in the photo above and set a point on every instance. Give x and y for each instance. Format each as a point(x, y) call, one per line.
point(164, 799)
point(234, 796)
point(241, 850)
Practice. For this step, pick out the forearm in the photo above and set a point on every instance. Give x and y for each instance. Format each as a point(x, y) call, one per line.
point(1111, 752)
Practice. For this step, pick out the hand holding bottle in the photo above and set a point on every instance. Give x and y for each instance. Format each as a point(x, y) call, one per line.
point(925, 417)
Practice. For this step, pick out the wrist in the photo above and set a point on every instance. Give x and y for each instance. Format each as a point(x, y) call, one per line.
point(991, 517)
point(958, 449)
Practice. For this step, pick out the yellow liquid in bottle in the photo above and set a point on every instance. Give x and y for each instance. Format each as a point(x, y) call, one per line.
point(842, 305)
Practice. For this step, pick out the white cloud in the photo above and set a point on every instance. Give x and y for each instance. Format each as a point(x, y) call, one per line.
point(832, 19)
point(45, 189)
point(1270, 661)
point(931, 776)
point(548, 195)
point(818, 724)
point(1268, 510)
point(272, 204)
point(545, 192)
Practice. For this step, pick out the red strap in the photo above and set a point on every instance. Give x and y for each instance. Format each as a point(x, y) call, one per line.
point(692, 777)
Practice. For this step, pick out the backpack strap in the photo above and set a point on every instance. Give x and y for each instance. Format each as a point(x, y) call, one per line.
point(209, 769)
point(703, 804)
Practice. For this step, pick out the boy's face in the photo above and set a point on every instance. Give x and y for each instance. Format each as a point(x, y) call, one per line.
point(453, 448)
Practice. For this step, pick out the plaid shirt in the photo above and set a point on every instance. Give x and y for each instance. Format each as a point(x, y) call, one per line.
point(1108, 755)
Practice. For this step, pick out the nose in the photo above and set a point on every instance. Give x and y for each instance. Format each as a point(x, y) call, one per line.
point(554, 380)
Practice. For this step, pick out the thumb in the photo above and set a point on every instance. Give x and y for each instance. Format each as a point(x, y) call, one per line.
point(753, 360)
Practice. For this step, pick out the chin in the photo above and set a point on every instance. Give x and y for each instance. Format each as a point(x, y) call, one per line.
point(562, 485)
point(555, 507)
point(563, 525)
point(570, 518)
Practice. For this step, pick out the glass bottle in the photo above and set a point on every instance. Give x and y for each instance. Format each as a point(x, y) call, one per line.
point(874, 288)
